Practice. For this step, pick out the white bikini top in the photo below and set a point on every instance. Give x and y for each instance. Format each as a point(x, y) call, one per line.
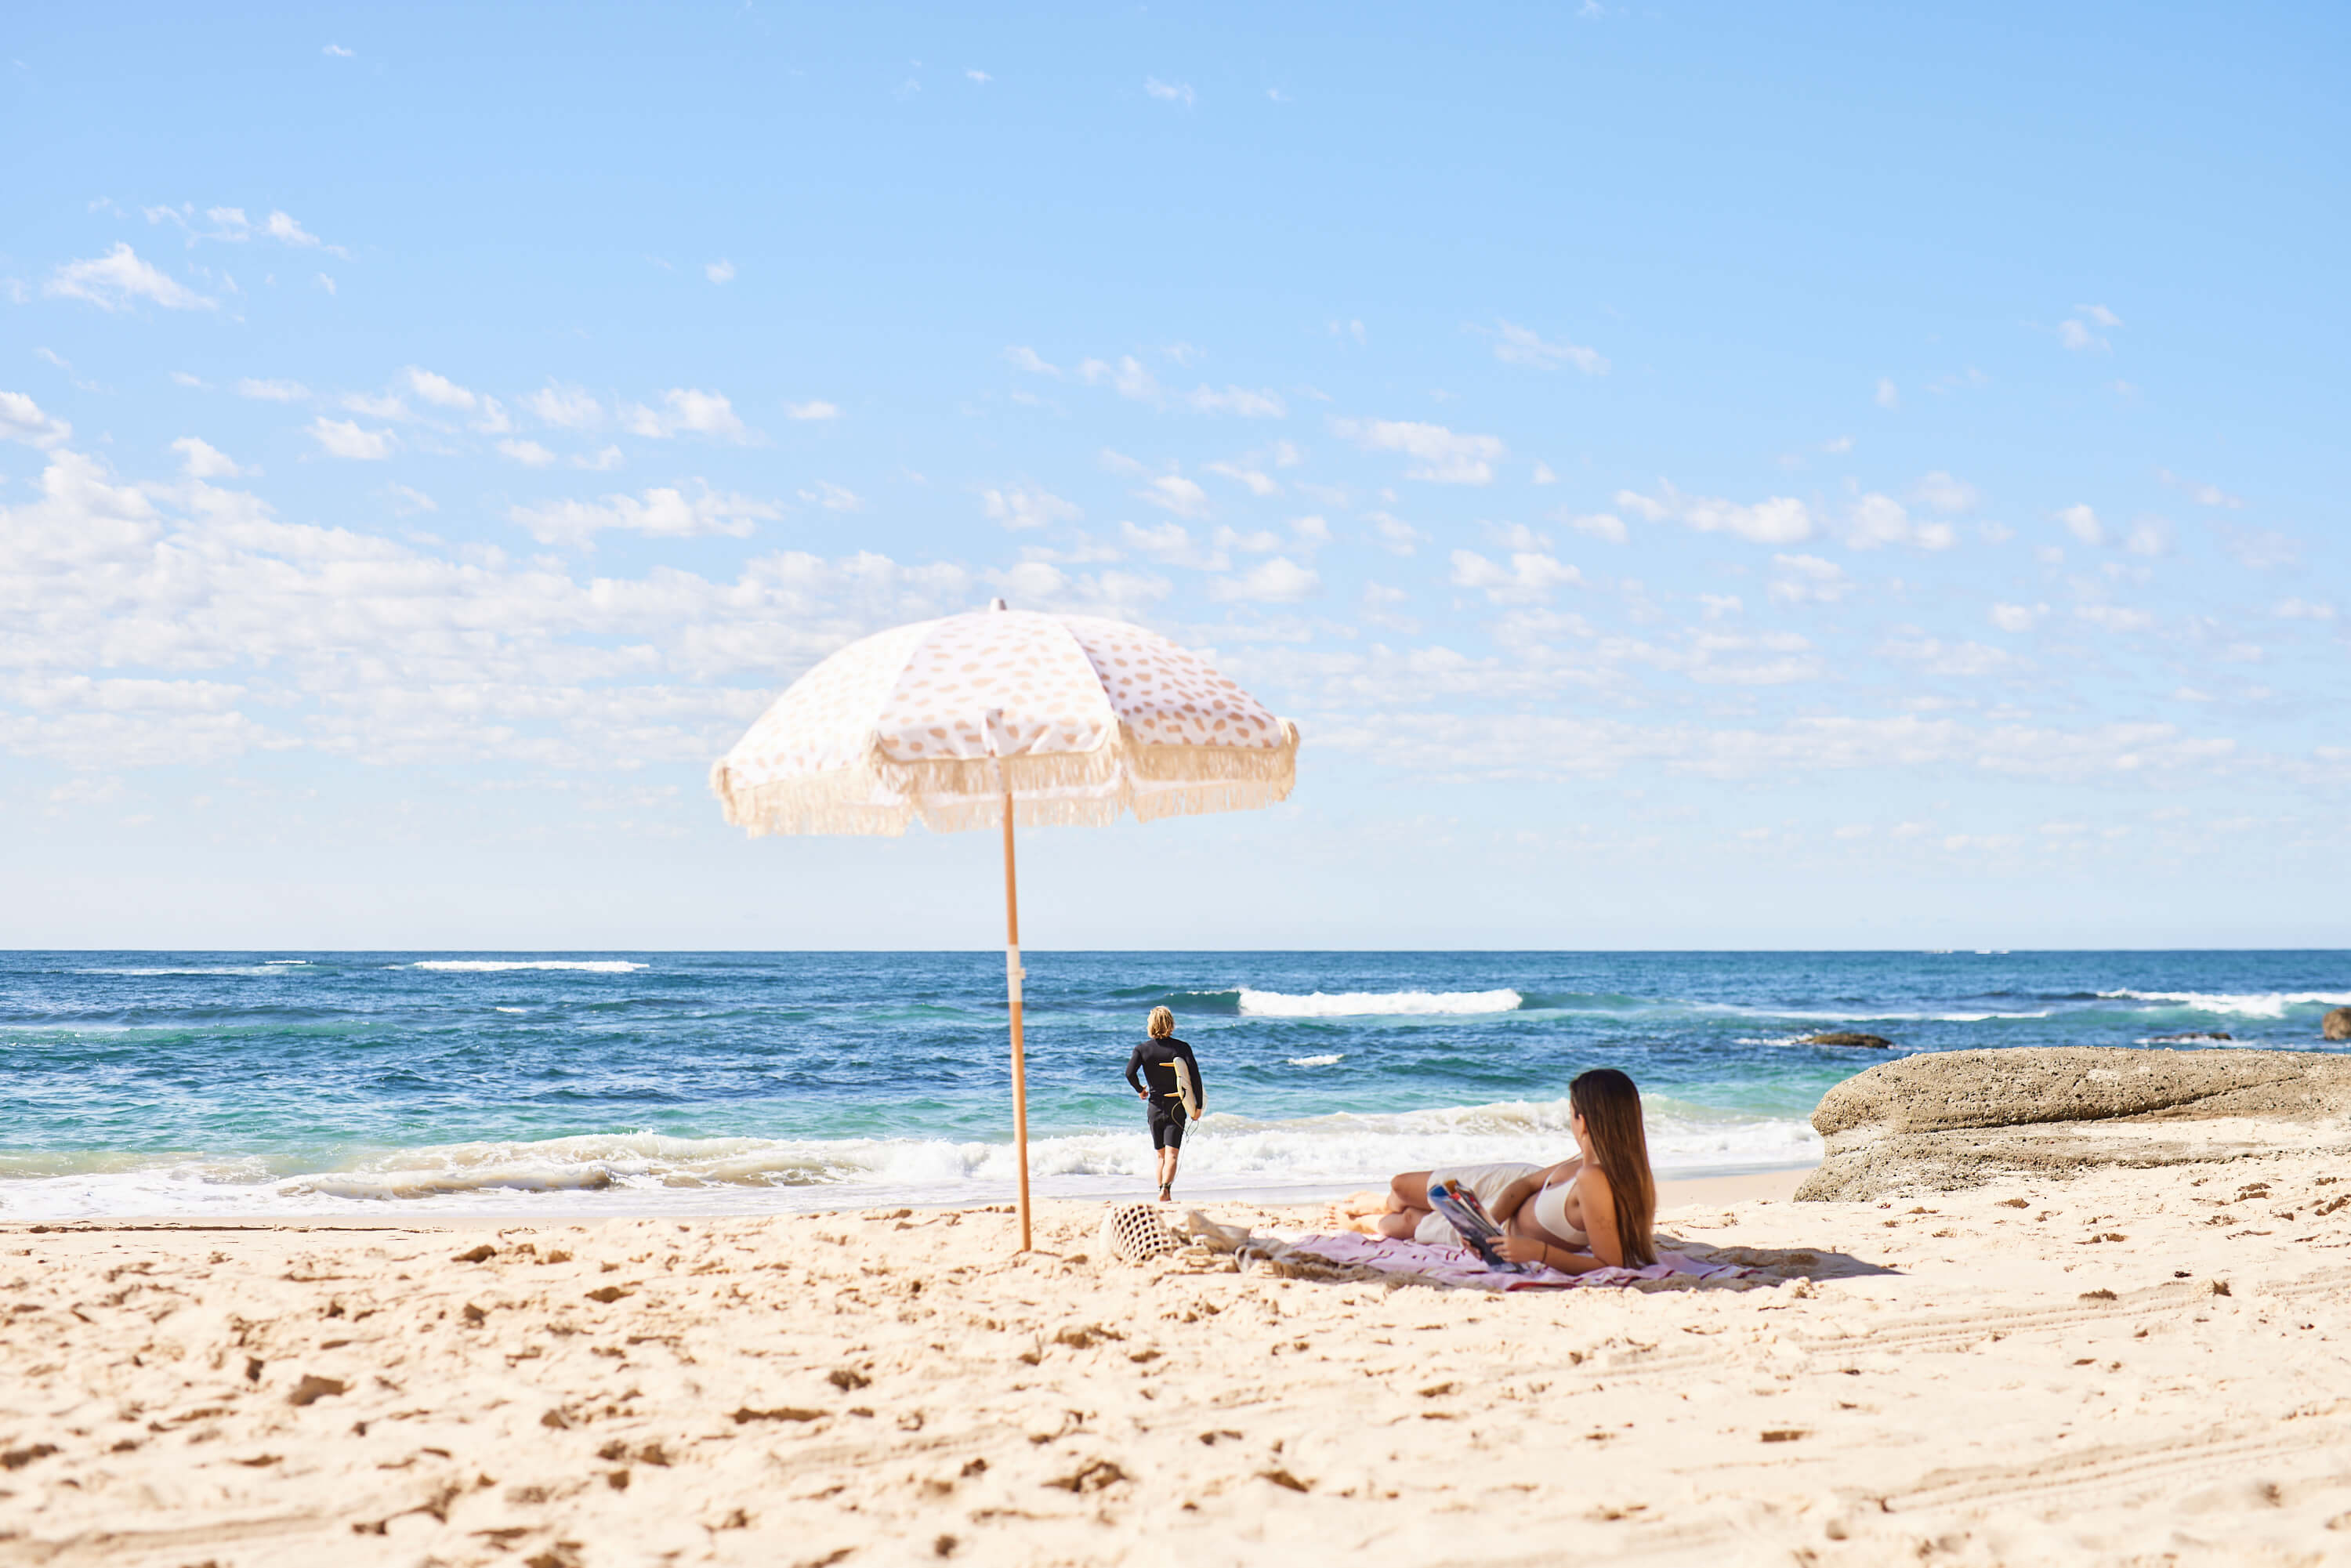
point(1550, 1211)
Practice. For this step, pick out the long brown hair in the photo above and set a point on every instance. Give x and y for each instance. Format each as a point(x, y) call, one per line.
point(1615, 1141)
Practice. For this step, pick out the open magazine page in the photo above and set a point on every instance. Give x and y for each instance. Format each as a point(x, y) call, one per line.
point(1477, 1227)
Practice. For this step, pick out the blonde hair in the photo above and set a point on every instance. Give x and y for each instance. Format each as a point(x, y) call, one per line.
point(1163, 1024)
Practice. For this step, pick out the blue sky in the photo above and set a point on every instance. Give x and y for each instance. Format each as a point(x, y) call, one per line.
point(1699, 476)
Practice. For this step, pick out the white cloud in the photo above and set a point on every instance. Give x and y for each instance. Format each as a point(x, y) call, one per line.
point(2302, 610)
point(1718, 605)
point(566, 408)
point(2100, 314)
point(2083, 524)
point(339, 51)
point(280, 226)
point(2017, 617)
point(1259, 483)
point(198, 459)
point(119, 278)
point(2076, 335)
point(832, 497)
point(1177, 494)
point(272, 390)
point(185, 380)
point(2148, 535)
point(1875, 519)
point(1543, 475)
point(685, 411)
point(1938, 492)
point(1530, 576)
point(661, 513)
point(1129, 377)
point(21, 419)
point(1239, 401)
point(1279, 581)
point(1169, 91)
point(719, 271)
point(1027, 506)
point(1780, 520)
point(344, 438)
point(405, 500)
point(601, 460)
point(1171, 544)
point(440, 391)
point(1026, 359)
point(1396, 537)
point(374, 407)
point(815, 408)
point(2114, 618)
point(1605, 526)
point(1441, 456)
point(2201, 494)
point(529, 453)
point(1837, 446)
point(1889, 395)
point(1518, 345)
point(982, 78)
point(1808, 577)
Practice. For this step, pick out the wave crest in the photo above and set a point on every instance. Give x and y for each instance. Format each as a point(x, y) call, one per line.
point(1375, 1004)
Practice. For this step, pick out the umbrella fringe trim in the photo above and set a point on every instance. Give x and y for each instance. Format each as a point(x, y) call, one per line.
point(960, 794)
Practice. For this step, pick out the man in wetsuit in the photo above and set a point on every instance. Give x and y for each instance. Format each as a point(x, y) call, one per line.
point(1152, 1073)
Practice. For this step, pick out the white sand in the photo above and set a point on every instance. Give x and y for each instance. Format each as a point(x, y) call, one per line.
point(883, 1390)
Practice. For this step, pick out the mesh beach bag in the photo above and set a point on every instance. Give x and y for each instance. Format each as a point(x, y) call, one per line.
point(1134, 1231)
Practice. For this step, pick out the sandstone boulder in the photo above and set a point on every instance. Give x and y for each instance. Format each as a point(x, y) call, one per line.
point(2337, 1025)
point(1962, 1118)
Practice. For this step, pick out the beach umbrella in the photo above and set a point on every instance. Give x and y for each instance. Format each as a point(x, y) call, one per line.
point(999, 717)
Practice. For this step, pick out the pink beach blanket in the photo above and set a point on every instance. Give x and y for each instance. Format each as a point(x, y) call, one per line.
point(1459, 1267)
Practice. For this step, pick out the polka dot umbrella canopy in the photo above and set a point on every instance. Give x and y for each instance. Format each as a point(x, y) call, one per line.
point(1000, 716)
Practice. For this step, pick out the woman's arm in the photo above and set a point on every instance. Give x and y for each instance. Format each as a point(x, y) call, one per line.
point(1600, 1216)
point(1508, 1201)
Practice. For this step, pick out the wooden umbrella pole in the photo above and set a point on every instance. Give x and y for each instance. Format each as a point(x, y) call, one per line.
point(1013, 975)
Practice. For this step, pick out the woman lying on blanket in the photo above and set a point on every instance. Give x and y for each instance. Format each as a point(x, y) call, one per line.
point(1595, 1211)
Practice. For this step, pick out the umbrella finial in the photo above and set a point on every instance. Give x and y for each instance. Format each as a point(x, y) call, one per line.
point(998, 604)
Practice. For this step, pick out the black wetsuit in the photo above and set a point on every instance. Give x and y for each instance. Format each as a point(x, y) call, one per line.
point(1155, 1060)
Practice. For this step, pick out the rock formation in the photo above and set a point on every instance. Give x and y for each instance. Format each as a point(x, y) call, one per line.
point(2337, 1025)
point(1847, 1036)
point(1959, 1119)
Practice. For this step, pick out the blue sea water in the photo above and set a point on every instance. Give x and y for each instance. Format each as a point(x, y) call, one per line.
point(593, 1083)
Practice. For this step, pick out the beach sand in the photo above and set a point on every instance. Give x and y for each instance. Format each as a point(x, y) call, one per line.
point(2132, 1365)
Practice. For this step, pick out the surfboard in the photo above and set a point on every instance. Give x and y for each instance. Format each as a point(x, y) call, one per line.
point(1187, 1090)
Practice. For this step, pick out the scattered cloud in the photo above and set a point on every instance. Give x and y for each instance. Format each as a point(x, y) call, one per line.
point(2148, 535)
point(1278, 581)
point(1603, 525)
point(1875, 519)
point(1527, 577)
point(1543, 475)
point(2017, 617)
point(2083, 524)
point(1259, 483)
point(1176, 494)
point(272, 391)
point(1396, 535)
point(2114, 618)
point(982, 78)
point(529, 453)
point(374, 406)
point(1938, 492)
point(344, 438)
point(566, 408)
point(685, 411)
point(198, 459)
point(1026, 359)
point(339, 52)
point(1517, 345)
point(719, 271)
point(815, 408)
point(1027, 506)
point(1781, 520)
point(601, 460)
point(119, 279)
point(489, 415)
point(1803, 578)
point(832, 497)
point(1239, 401)
point(1440, 457)
point(21, 419)
point(1889, 395)
point(2201, 494)
point(2078, 337)
point(1169, 91)
point(664, 512)
point(407, 501)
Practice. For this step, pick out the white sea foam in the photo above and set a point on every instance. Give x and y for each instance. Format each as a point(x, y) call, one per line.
point(591, 966)
point(2251, 1004)
point(514, 1009)
point(286, 963)
point(1374, 1004)
point(643, 1172)
point(1330, 1061)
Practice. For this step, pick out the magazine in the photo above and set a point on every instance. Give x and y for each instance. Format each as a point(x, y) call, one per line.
point(1477, 1227)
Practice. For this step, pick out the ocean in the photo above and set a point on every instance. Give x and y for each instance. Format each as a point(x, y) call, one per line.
point(578, 1085)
